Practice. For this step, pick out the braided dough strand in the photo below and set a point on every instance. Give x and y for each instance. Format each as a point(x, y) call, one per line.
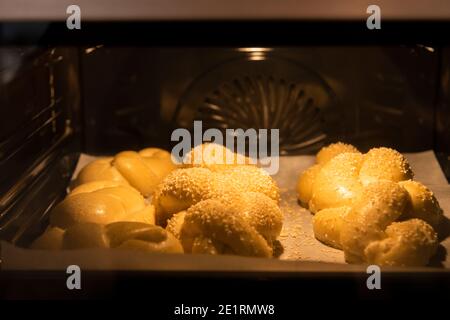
point(212, 221)
point(143, 170)
point(370, 232)
point(123, 235)
point(406, 243)
point(101, 202)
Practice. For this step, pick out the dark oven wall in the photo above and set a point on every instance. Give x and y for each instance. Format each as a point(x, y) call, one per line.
point(443, 115)
point(39, 123)
point(370, 96)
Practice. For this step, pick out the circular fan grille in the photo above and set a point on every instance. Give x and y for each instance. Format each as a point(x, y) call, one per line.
point(264, 94)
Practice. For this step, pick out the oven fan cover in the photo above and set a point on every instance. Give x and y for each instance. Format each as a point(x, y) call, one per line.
point(269, 93)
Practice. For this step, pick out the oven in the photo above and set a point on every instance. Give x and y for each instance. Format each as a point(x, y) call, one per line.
point(137, 72)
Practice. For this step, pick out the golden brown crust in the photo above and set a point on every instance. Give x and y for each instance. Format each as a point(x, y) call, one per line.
point(327, 225)
point(337, 183)
point(339, 176)
point(221, 223)
point(143, 170)
point(360, 198)
point(51, 239)
point(142, 237)
point(214, 157)
point(155, 153)
point(99, 169)
point(136, 171)
point(85, 235)
point(407, 243)
point(175, 224)
point(249, 179)
point(329, 152)
point(259, 211)
point(185, 187)
point(101, 202)
point(227, 224)
point(384, 164)
point(369, 232)
point(123, 235)
point(422, 203)
point(305, 184)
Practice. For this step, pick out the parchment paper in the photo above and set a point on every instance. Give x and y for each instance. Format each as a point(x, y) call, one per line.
point(299, 249)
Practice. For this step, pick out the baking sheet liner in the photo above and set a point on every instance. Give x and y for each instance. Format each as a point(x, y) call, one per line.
point(298, 249)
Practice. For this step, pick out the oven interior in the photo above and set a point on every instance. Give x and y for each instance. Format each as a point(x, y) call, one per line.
point(59, 101)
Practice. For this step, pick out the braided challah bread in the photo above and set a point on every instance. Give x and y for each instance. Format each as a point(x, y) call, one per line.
point(102, 202)
point(370, 234)
point(143, 170)
point(367, 205)
point(183, 188)
point(245, 224)
point(122, 235)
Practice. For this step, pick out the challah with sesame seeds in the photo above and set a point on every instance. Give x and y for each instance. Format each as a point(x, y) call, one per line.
point(122, 235)
point(245, 224)
point(361, 202)
point(183, 188)
point(143, 170)
point(101, 202)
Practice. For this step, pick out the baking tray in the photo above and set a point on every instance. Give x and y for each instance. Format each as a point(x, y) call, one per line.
point(299, 250)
